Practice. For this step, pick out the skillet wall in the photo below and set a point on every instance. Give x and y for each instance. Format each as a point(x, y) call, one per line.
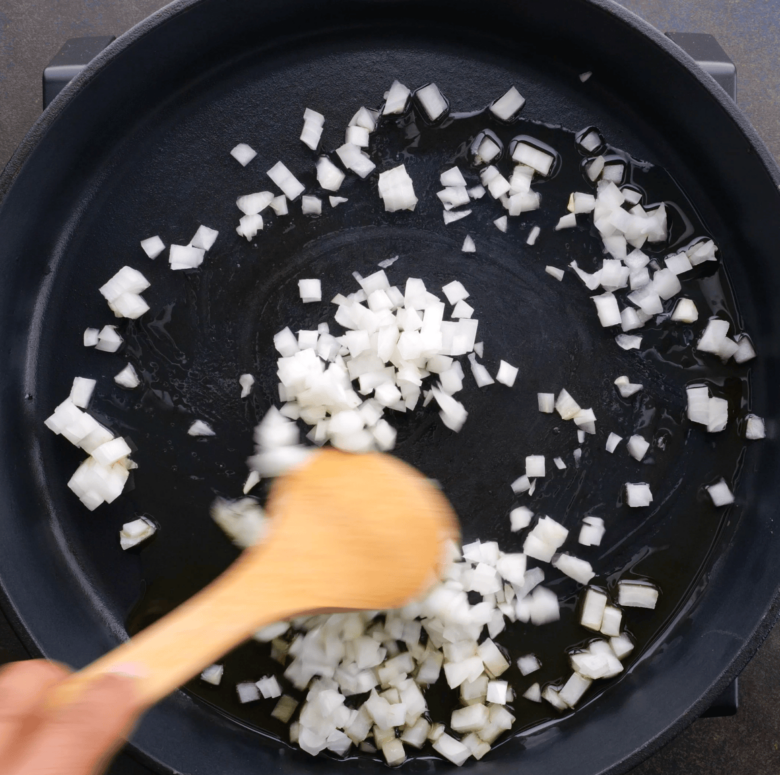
point(662, 113)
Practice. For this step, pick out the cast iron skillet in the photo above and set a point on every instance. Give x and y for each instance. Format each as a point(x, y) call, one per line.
point(138, 145)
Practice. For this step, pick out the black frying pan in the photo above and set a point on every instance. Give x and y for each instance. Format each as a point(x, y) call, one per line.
point(138, 145)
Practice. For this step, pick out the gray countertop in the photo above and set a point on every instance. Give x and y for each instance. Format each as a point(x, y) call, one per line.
point(31, 33)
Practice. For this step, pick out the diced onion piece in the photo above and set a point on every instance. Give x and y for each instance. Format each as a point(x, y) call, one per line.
point(610, 623)
point(451, 216)
point(566, 406)
point(487, 151)
point(462, 310)
point(81, 391)
point(243, 154)
point(508, 106)
point(393, 751)
point(279, 205)
point(720, 493)
point(153, 246)
point(248, 226)
point(213, 674)
point(284, 709)
point(559, 464)
point(717, 414)
point(126, 280)
point(612, 441)
point(592, 531)
point(595, 168)
point(397, 189)
point(432, 101)
point(335, 201)
point(533, 693)
point(607, 309)
point(246, 381)
point(135, 532)
point(636, 595)
point(621, 645)
point(533, 235)
point(626, 388)
point(252, 204)
point(713, 335)
point(573, 689)
point(451, 749)
point(534, 466)
point(468, 245)
point(555, 272)
point(470, 719)
point(507, 374)
point(329, 176)
point(200, 428)
point(310, 290)
point(109, 340)
point(593, 609)
point(566, 222)
point(745, 351)
point(289, 185)
point(638, 495)
point(539, 160)
point(627, 342)
point(754, 428)
point(574, 567)
point(550, 694)
point(269, 687)
point(520, 518)
point(396, 99)
point(585, 76)
point(311, 205)
point(477, 192)
point(637, 447)
point(91, 337)
point(186, 257)
point(204, 238)
point(545, 539)
point(452, 178)
point(247, 692)
point(528, 664)
point(128, 378)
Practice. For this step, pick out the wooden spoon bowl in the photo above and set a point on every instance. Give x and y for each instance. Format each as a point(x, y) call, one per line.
point(347, 532)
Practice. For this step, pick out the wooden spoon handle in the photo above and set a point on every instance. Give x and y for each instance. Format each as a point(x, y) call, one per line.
point(192, 637)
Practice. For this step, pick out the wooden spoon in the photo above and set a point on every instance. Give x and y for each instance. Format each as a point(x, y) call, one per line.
point(348, 532)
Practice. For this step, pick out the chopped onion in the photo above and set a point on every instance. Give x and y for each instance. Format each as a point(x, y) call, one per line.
point(452, 178)
point(204, 238)
point(451, 749)
point(310, 290)
point(559, 464)
point(550, 694)
point(546, 402)
point(637, 447)
point(638, 495)
point(566, 406)
point(539, 160)
point(610, 623)
point(533, 235)
point(468, 245)
point(451, 217)
point(357, 135)
point(713, 335)
point(153, 246)
point(573, 689)
point(501, 223)
point(627, 342)
point(720, 493)
point(584, 76)
point(109, 340)
point(592, 531)
point(128, 378)
point(311, 205)
point(477, 192)
point(555, 272)
point(745, 350)
point(247, 692)
point(279, 205)
point(284, 709)
point(246, 381)
point(269, 687)
point(432, 101)
point(186, 257)
point(545, 539)
point(754, 428)
point(213, 674)
point(574, 567)
point(508, 106)
point(534, 466)
point(335, 201)
point(248, 226)
point(397, 190)
point(507, 374)
point(81, 391)
point(566, 222)
point(252, 204)
point(594, 604)
point(91, 337)
point(621, 645)
point(289, 185)
point(243, 154)
point(637, 595)
point(626, 388)
point(487, 151)
point(396, 99)
point(612, 441)
point(135, 532)
point(200, 428)
point(462, 310)
point(252, 480)
point(607, 309)
point(329, 176)
point(520, 518)
point(533, 693)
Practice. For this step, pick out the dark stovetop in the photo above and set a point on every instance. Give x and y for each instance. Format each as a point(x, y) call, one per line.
point(31, 33)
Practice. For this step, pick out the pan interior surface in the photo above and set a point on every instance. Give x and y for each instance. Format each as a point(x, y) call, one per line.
point(113, 170)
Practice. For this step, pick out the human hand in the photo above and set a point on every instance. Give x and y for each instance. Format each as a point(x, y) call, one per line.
point(76, 739)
